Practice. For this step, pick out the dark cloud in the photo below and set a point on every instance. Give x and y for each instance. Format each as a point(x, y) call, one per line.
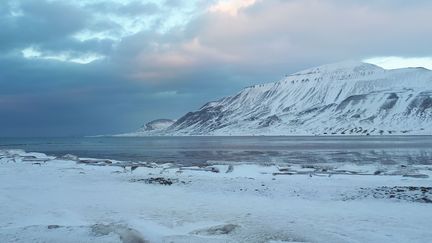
point(64, 99)
point(40, 22)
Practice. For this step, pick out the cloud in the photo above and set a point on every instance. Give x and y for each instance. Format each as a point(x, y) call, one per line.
point(291, 31)
point(154, 59)
point(231, 7)
point(274, 37)
point(40, 22)
point(80, 58)
point(133, 8)
point(401, 62)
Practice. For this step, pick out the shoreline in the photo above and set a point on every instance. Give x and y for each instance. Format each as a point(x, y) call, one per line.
point(72, 199)
point(125, 135)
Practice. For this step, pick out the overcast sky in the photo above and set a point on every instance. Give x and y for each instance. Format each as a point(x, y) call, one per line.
point(86, 67)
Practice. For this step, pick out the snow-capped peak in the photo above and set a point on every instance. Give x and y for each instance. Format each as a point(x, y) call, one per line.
point(341, 70)
point(348, 97)
point(349, 66)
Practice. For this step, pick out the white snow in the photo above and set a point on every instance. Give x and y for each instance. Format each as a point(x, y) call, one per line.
point(46, 199)
point(346, 98)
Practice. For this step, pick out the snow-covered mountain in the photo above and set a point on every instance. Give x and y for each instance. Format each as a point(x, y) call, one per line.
point(342, 98)
point(155, 125)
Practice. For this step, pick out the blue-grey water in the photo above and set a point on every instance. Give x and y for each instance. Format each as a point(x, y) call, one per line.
point(199, 150)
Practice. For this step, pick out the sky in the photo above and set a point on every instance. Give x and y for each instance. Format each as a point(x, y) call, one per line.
point(88, 67)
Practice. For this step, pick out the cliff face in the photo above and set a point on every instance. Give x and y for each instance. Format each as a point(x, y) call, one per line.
point(155, 125)
point(343, 98)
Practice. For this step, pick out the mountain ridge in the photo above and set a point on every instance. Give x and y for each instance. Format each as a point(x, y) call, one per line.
point(335, 99)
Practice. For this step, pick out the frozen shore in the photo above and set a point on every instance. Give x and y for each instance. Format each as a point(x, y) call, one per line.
point(70, 199)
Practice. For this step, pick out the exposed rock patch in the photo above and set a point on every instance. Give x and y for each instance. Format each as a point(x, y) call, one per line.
point(401, 193)
point(217, 230)
point(157, 180)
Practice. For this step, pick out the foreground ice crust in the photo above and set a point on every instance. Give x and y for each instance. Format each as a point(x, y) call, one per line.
point(71, 199)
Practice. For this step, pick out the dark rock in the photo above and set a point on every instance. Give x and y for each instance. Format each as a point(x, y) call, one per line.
point(270, 121)
point(401, 193)
point(416, 175)
point(217, 230)
point(390, 102)
point(212, 169)
point(424, 200)
point(53, 226)
point(230, 169)
point(156, 180)
point(420, 104)
point(353, 99)
point(158, 124)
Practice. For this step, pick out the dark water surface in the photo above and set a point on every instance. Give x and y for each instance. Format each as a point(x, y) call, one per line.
point(197, 150)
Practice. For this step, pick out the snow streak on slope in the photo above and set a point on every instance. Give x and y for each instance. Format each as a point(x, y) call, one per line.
point(158, 124)
point(343, 98)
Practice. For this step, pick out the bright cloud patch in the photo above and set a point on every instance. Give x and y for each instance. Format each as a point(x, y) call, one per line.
point(401, 62)
point(129, 17)
point(86, 58)
point(231, 7)
point(87, 35)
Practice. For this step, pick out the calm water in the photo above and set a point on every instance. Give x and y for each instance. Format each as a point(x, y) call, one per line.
point(198, 150)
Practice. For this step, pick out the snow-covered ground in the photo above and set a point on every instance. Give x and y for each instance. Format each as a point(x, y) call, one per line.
point(70, 199)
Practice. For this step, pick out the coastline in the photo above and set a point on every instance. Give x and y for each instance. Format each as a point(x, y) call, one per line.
point(72, 199)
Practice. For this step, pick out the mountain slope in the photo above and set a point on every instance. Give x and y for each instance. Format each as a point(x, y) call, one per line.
point(155, 125)
point(342, 98)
